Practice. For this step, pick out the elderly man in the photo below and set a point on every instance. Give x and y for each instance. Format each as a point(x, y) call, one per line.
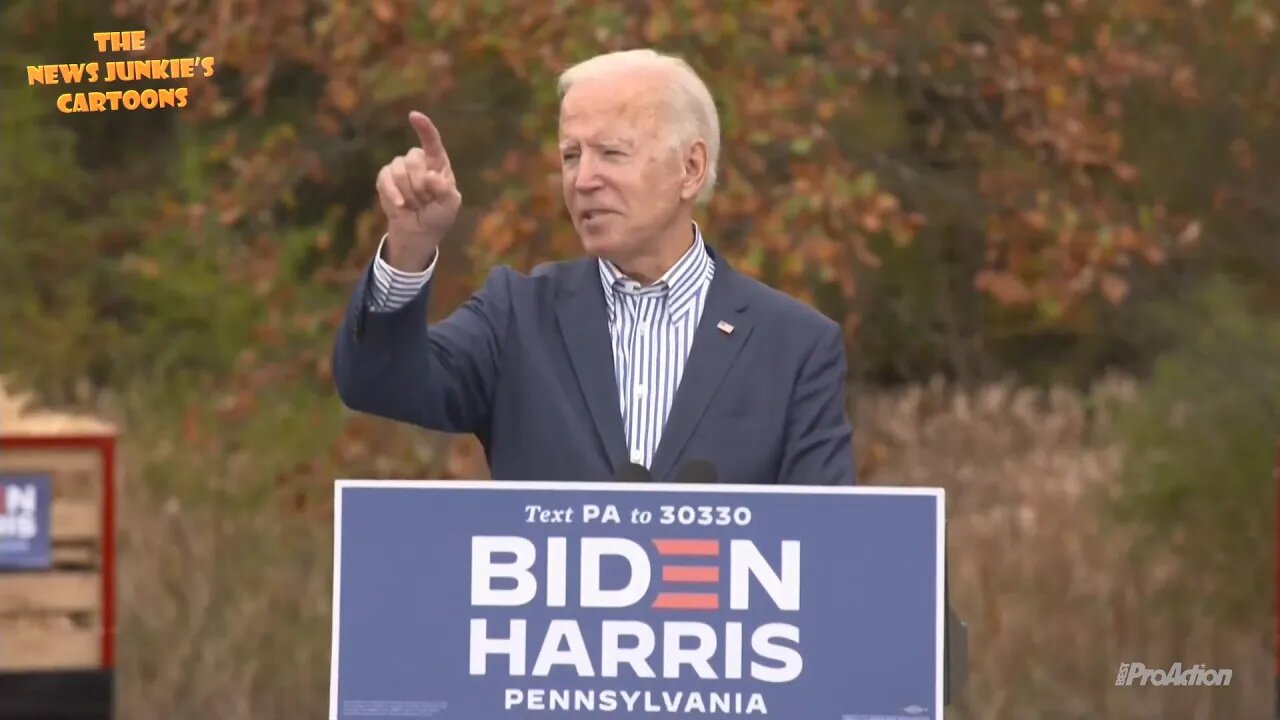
point(651, 351)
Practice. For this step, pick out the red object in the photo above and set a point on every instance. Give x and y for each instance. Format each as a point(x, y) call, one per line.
point(687, 547)
point(105, 445)
point(686, 601)
point(690, 574)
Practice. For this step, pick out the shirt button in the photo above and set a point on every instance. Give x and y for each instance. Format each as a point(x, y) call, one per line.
point(640, 391)
point(636, 456)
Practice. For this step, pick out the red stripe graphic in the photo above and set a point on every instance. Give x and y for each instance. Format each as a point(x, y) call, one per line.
point(690, 574)
point(710, 574)
point(687, 601)
point(707, 548)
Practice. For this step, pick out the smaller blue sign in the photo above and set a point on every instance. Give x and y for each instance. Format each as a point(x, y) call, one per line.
point(24, 522)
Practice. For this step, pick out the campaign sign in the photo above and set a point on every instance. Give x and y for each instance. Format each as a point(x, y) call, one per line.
point(24, 522)
point(493, 600)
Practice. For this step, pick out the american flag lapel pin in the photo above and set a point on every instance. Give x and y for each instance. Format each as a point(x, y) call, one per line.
point(724, 327)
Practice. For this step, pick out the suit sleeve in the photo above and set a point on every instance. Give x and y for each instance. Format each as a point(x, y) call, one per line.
point(391, 364)
point(818, 446)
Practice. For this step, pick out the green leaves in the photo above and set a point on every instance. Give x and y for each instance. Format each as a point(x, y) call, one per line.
point(1203, 440)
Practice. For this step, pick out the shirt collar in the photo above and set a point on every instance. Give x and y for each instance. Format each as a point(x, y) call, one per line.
point(682, 284)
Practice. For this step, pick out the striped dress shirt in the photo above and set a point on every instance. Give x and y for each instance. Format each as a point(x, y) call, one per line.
point(651, 328)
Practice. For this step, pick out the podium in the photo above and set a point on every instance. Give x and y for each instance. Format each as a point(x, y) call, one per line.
point(484, 600)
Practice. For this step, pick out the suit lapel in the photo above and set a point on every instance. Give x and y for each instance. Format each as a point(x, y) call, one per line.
point(710, 358)
point(585, 329)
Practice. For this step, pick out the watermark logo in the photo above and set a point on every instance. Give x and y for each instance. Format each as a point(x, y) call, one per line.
point(171, 74)
point(1176, 674)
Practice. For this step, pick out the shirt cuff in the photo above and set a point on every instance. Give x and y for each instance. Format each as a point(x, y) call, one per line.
point(393, 289)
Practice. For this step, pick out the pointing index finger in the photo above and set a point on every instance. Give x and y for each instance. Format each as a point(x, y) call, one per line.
point(428, 136)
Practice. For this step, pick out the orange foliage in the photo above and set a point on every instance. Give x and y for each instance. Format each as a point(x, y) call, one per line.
point(1032, 100)
point(1023, 107)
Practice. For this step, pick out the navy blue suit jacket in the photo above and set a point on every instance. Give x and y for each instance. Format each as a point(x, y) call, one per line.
point(526, 366)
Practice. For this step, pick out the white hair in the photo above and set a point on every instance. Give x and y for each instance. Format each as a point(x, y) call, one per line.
point(693, 113)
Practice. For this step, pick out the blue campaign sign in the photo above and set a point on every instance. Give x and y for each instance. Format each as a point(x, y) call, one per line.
point(492, 600)
point(24, 522)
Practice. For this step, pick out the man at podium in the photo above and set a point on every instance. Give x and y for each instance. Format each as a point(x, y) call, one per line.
point(651, 351)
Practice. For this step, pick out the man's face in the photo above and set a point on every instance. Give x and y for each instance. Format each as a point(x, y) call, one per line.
point(621, 176)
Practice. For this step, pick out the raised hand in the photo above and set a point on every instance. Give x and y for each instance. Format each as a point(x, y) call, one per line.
point(420, 198)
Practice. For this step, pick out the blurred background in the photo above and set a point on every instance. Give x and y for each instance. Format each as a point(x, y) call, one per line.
point(1051, 231)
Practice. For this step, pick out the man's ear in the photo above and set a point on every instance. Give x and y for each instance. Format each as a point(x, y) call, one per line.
point(694, 169)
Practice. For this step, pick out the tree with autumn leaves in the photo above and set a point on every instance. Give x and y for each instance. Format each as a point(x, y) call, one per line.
point(971, 189)
point(999, 136)
point(1043, 190)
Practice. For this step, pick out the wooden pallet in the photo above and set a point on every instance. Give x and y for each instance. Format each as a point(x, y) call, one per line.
point(54, 618)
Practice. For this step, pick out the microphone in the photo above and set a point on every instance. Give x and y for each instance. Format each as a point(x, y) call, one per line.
point(697, 471)
point(631, 472)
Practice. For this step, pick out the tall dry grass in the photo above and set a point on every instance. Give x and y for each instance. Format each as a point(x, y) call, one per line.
point(1055, 596)
point(226, 614)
